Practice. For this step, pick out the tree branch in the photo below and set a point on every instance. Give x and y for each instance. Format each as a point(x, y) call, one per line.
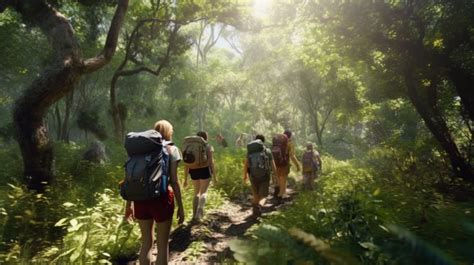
point(93, 64)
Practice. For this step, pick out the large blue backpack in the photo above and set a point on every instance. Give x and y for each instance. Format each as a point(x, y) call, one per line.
point(146, 170)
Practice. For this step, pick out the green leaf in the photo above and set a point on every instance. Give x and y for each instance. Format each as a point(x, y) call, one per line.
point(368, 245)
point(68, 204)
point(73, 222)
point(75, 256)
point(63, 255)
point(376, 192)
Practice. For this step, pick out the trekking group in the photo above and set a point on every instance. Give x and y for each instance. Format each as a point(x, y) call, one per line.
point(151, 185)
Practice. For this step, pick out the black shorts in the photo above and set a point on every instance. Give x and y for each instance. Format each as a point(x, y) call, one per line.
point(200, 173)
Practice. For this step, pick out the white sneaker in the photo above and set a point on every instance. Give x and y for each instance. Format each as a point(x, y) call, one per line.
point(200, 213)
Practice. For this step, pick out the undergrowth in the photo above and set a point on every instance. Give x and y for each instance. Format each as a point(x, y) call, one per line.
point(362, 211)
point(355, 216)
point(79, 219)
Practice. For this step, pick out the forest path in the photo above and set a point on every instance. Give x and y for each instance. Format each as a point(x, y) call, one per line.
point(208, 241)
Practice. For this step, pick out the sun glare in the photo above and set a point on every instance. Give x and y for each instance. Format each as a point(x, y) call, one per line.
point(261, 8)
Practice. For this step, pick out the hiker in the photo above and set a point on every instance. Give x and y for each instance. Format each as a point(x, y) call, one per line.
point(221, 140)
point(159, 210)
point(199, 163)
point(312, 163)
point(283, 149)
point(239, 142)
point(260, 166)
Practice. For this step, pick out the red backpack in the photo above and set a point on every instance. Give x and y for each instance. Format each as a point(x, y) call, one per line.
point(280, 150)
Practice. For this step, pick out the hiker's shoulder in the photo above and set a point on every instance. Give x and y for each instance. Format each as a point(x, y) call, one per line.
point(174, 152)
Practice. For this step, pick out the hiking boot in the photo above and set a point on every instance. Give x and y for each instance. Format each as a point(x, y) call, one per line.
point(200, 213)
point(276, 191)
point(256, 210)
point(279, 200)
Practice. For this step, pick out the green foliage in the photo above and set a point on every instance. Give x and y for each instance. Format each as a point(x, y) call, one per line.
point(350, 211)
point(27, 223)
point(335, 72)
point(10, 158)
point(229, 168)
point(79, 218)
point(427, 252)
point(88, 120)
point(95, 234)
point(273, 245)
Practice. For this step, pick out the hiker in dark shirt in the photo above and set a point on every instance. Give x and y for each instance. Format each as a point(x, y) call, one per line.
point(260, 166)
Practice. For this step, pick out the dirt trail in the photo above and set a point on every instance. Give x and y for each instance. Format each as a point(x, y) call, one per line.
point(208, 241)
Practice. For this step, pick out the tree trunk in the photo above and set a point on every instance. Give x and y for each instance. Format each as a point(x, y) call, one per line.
point(117, 115)
point(57, 80)
point(67, 115)
point(463, 84)
point(437, 126)
point(114, 108)
point(57, 115)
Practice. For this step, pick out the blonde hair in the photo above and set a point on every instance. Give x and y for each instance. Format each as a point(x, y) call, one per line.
point(165, 128)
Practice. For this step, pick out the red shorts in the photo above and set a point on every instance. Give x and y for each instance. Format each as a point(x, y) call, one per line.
point(159, 209)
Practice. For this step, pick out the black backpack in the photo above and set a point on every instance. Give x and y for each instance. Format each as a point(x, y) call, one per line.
point(258, 160)
point(146, 170)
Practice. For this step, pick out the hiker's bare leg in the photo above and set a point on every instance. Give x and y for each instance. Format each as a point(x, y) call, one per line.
point(255, 197)
point(162, 237)
point(203, 186)
point(307, 179)
point(196, 184)
point(282, 176)
point(146, 228)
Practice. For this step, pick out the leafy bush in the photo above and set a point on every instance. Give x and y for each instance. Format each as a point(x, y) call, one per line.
point(229, 167)
point(28, 223)
point(95, 234)
point(11, 165)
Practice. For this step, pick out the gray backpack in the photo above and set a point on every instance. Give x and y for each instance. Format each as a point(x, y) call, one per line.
point(146, 170)
point(258, 160)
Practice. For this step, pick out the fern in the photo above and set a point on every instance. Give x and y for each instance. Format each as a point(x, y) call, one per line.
point(323, 248)
point(429, 253)
point(273, 245)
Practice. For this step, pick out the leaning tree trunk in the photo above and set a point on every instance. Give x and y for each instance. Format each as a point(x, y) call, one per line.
point(464, 85)
point(437, 126)
point(56, 81)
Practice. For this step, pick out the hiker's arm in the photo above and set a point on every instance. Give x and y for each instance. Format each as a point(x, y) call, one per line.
point(295, 162)
point(177, 190)
point(186, 172)
point(320, 162)
point(246, 165)
point(211, 164)
point(274, 171)
point(291, 152)
point(129, 211)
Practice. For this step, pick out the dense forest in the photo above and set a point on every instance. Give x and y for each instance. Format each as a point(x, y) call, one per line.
point(382, 88)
